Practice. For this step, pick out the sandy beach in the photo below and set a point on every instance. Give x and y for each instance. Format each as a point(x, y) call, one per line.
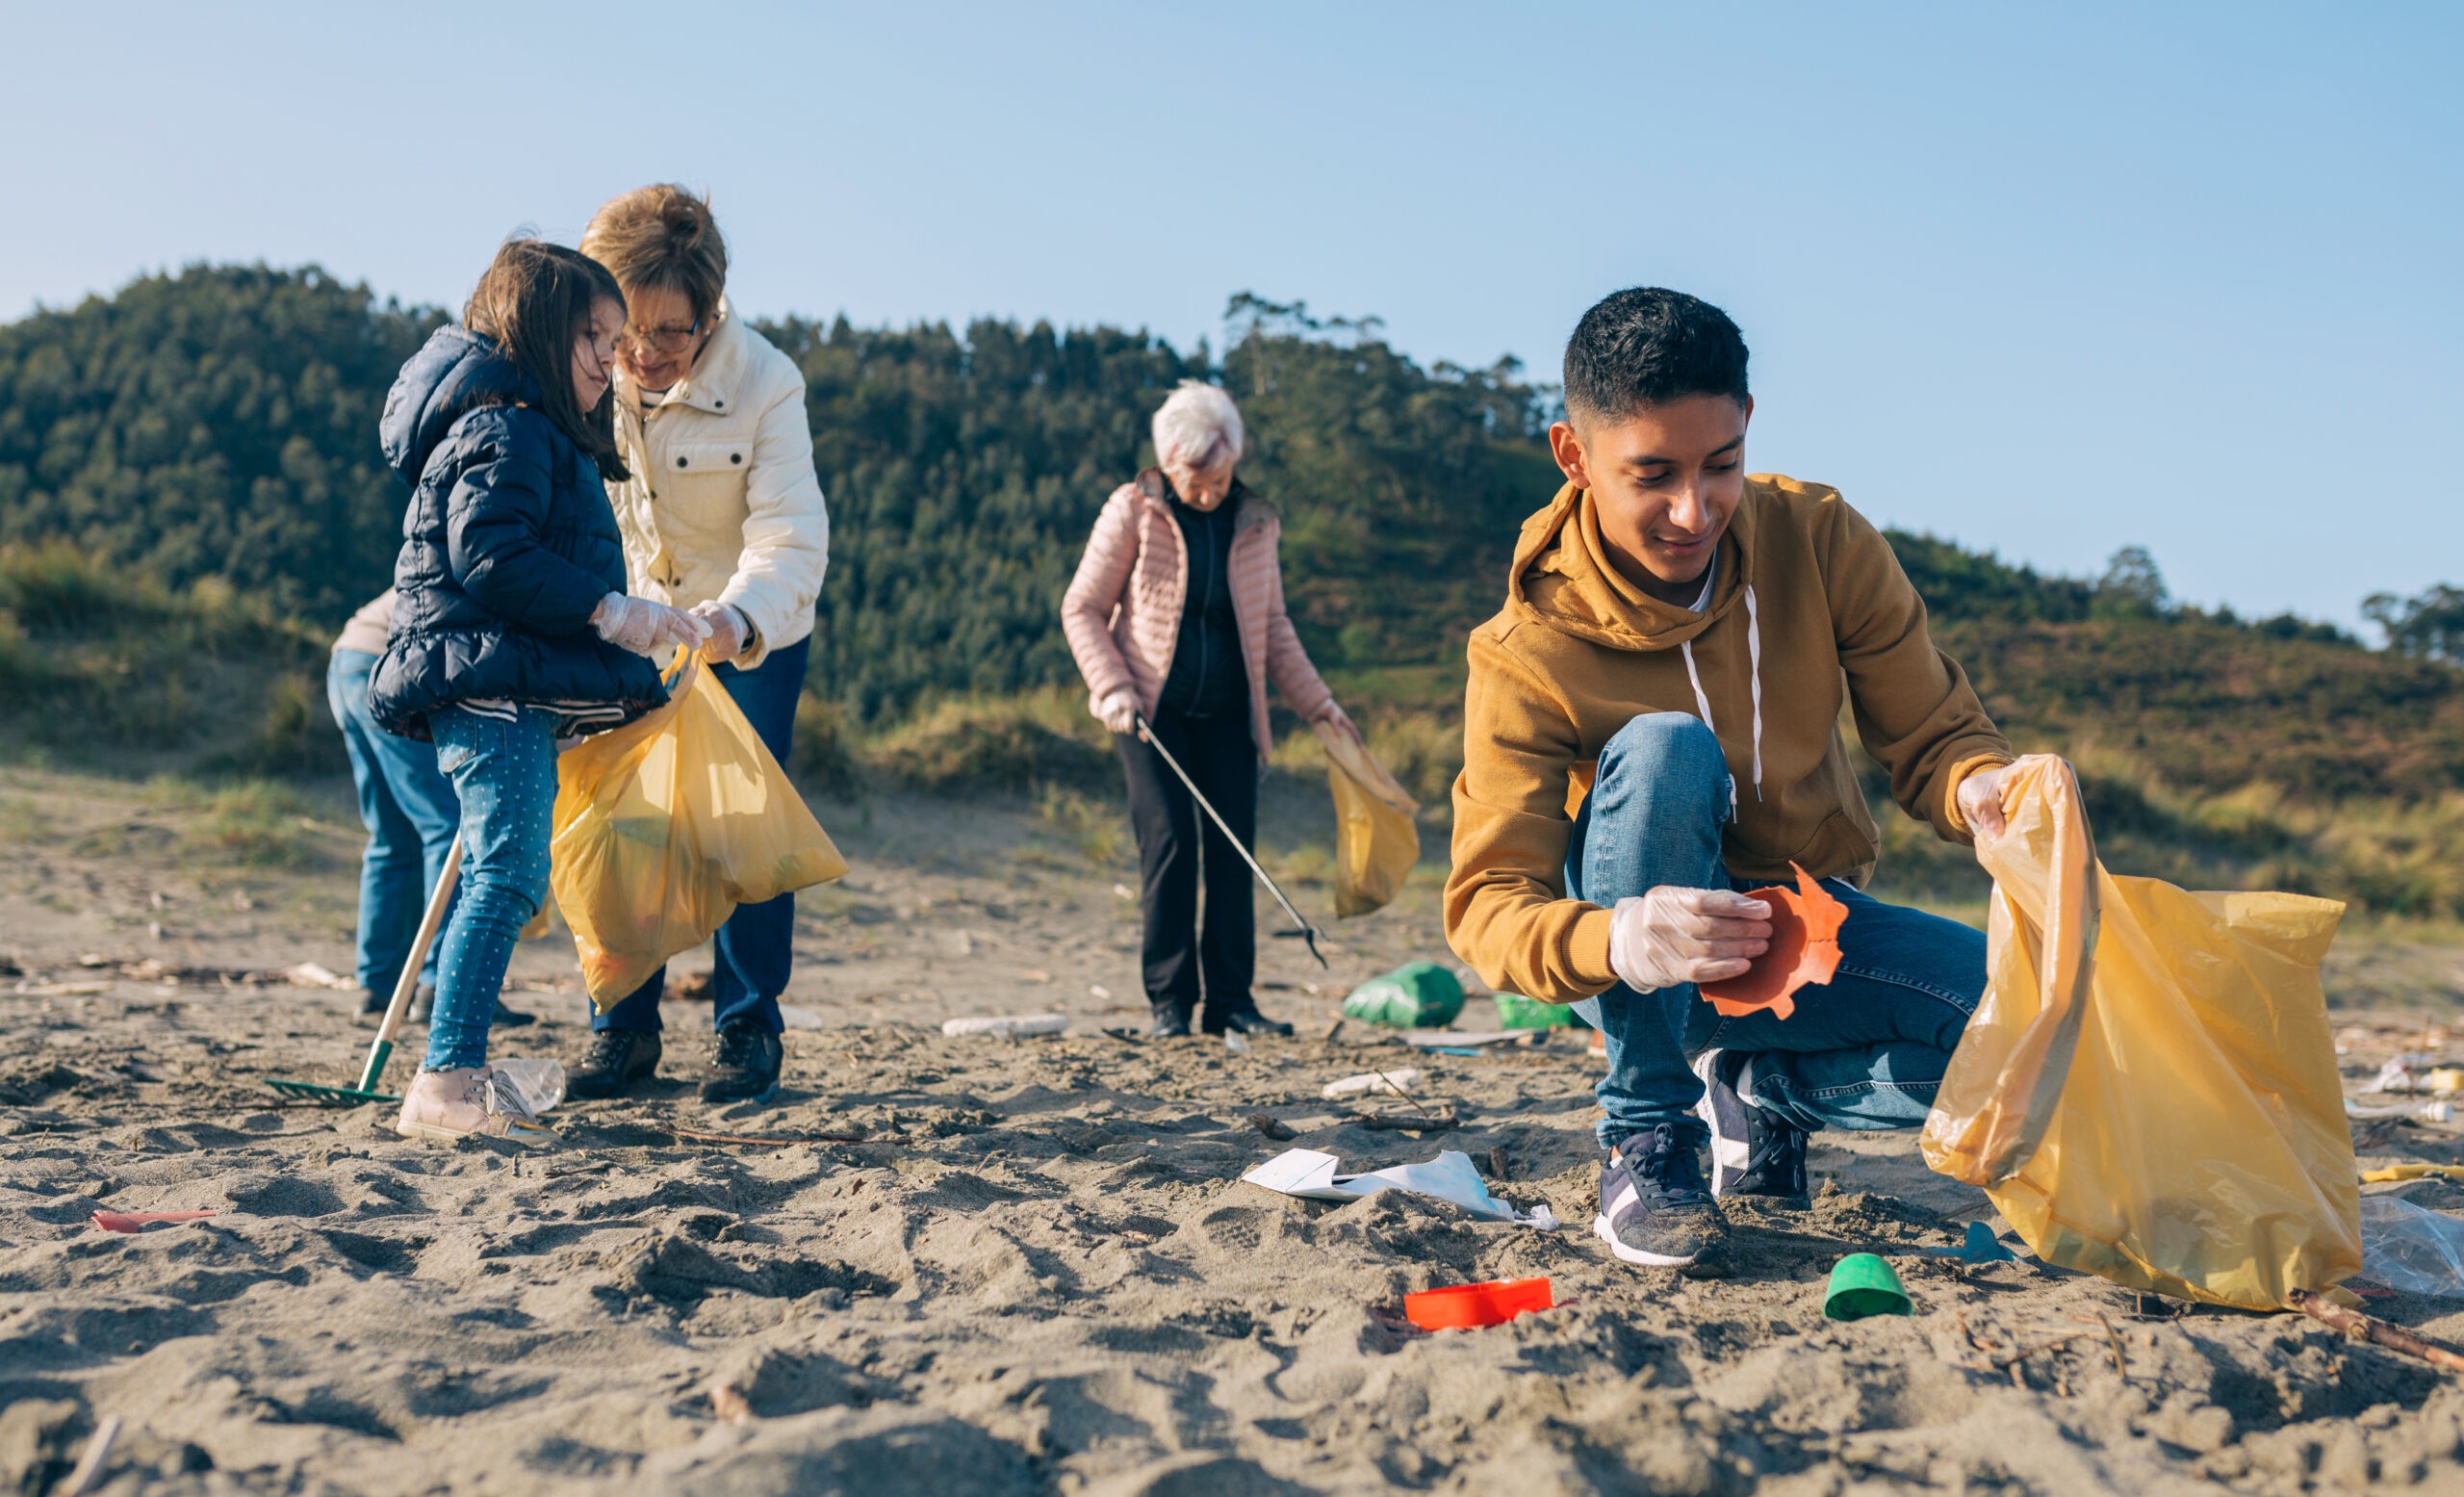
point(1036, 1268)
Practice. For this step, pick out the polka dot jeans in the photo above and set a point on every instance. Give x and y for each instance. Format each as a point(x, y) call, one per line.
point(503, 766)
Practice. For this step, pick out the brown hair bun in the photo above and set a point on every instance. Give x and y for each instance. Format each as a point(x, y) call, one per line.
point(661, 237)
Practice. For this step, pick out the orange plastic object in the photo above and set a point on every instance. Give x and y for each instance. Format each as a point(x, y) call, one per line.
point(1469, 1307)
point(132, 1221)
point(1805, 948)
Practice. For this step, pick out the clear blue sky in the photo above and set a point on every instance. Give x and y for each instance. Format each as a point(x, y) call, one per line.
point(2046, 279)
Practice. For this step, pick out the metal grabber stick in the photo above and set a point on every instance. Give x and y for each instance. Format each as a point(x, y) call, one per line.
point(1305, 931)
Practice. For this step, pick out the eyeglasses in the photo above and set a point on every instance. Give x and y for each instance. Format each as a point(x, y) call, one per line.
point(666, 340)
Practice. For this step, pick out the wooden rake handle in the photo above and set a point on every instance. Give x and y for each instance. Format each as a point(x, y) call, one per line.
point(439, 898)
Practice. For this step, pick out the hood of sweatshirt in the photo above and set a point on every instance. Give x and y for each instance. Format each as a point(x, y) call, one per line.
point(1562, 578)
point(455, 372)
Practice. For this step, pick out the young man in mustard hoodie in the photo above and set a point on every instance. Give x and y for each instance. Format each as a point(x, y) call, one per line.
point(1652, 733)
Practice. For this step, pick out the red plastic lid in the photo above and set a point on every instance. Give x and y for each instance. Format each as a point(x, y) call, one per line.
point(1468, 1306)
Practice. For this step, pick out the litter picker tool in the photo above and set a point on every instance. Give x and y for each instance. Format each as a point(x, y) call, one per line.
point(381, 1048)
point(1305, 931)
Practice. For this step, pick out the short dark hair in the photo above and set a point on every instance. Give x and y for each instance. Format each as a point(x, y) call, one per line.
point(534, 300)
point(1648, 345)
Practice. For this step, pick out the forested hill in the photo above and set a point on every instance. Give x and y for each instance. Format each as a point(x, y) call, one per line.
point(222, 424)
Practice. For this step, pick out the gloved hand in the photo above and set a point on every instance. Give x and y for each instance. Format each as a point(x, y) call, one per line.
point(644, 627)
point(1118, 711)
point(1333, 718)
point(1673, 936)
point(731, 629)
point(1979, 800)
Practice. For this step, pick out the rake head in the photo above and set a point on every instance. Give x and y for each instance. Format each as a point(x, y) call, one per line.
point(329, 1096)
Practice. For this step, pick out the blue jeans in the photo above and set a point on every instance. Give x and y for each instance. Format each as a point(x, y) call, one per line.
point(757, 947)
point(507, 775)
point(1865, 1051)
point(410, 812)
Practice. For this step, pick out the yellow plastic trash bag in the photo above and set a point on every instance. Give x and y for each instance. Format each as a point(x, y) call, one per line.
point(666, 825)
point(2148, 1091)
point(1376, 838)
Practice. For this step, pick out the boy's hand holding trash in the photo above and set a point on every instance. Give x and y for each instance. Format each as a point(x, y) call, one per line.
point(645, 626)
point(1672, 936)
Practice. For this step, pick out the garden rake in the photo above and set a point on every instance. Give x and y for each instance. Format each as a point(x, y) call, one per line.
point(381, 1048)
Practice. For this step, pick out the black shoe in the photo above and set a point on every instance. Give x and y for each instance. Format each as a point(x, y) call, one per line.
point(744, 1064)
point(1754, 1152)
point(1655, 1208)
point(1171, 1021)
point(372, 1003)
point(422, 1005)
point(616, 1059)
point(1246, 1020)
point(511, 1017)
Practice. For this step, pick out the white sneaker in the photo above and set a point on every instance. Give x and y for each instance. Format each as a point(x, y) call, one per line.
point(466, 1102)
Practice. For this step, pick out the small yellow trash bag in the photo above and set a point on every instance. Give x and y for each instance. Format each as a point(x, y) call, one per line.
point(1376, 838)
point(2148, 1091)
point(666, 825)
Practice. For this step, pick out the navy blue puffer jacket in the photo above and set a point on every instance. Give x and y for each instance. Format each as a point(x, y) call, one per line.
point(507, 550)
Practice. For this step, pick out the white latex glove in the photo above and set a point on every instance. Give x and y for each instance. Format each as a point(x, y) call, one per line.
point(1333, 718)
point(1673, 936)
point(1979, 801)
point(1119, 711)
point(644, 627)
point(731, 629)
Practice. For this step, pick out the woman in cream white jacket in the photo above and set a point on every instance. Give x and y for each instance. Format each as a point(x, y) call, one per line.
point(722, 517)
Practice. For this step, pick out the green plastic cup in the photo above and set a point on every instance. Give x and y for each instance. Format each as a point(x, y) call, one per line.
point(1862, 1284)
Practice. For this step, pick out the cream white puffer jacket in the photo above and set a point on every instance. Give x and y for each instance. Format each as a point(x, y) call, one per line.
point(724, 503)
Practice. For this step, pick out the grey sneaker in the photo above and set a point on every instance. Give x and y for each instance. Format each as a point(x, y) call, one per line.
point(1655, 1208)
point(1754, 1152)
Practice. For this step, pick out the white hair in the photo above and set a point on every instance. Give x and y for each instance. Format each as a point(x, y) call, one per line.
point(1199, 425)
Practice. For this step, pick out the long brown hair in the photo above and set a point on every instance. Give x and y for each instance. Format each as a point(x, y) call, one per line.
point(534, 300)
point(661, 237)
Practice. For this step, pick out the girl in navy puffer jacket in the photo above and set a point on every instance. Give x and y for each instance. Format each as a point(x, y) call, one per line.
point(511, 627)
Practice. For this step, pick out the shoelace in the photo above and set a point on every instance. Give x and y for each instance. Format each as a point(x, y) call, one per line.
point(607, 1049)
point(1668, 1167)
point(734, 1048)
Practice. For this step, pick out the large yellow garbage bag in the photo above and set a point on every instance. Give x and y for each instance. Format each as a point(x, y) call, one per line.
point(2148, 1091)
point(666, 825)
point(1376, 838)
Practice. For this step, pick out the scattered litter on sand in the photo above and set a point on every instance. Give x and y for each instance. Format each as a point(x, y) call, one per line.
point(1450, 1177)
point(138, 1221)
point(1393, 1082)
point(1015, 1026)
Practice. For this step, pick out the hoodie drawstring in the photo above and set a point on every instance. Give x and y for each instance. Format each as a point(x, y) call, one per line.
point(1754, 660)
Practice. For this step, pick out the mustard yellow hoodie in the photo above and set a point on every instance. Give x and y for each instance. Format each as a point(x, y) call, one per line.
point(1810, 609)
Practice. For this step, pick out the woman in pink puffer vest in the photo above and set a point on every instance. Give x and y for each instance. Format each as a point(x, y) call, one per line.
point(1176, 615)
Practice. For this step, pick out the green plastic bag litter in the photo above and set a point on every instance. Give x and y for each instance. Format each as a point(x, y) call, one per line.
point(1415, 996)
point(1516, 1011)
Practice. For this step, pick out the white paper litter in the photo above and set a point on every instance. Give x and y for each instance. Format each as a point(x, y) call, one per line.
point(796, 1015)
point(1014, 1027)
point(1450, 1177)
point(308, 974)
point(1366, 1082)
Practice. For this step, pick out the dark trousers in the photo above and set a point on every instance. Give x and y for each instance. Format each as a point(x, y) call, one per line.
point(757, 944)
point(1218, 753)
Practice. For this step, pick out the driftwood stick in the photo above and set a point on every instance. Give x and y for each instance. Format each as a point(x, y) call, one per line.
point(2372, 1329)
point(2011, 1363)
point(1400, 1123)
point(774, 1142)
